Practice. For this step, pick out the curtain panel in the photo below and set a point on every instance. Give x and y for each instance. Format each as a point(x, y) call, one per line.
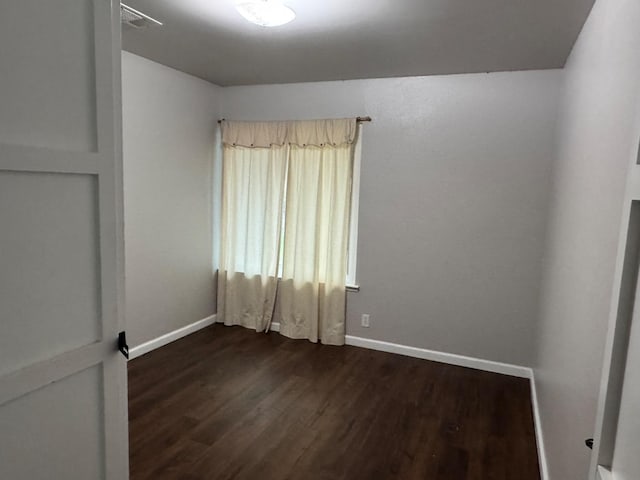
point(252, 201)
point(300, 173)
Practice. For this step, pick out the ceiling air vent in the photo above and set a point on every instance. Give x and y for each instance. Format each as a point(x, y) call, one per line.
point(133, 18)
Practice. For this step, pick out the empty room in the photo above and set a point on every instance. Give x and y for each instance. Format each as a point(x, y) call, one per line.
point(319, 239)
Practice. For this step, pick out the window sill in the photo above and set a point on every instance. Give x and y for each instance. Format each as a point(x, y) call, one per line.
point(353, 288)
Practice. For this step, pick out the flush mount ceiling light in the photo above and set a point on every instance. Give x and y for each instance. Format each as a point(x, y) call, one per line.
point(266, 13)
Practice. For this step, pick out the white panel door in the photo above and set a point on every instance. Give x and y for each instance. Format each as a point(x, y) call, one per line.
point(63, 410)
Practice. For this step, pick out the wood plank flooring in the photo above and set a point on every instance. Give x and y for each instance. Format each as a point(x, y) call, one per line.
point(227, 403)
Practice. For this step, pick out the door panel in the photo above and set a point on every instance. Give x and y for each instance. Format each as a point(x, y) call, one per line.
point(63, 411)
point(52, 251)
point(50, 47)
point(73, 409)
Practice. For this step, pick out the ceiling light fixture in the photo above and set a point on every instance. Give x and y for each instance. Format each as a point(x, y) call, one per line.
point(266, 13)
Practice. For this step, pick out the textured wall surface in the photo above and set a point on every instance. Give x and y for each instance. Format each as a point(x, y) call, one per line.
point(598, 138)
point(453, 202)
point(169, 120)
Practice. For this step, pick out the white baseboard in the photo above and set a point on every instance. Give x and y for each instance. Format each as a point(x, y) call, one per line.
point(161, 341)
point(275, 327)
point(537, 421)
point(604, 473)
point(433, 355)
point(442, 357)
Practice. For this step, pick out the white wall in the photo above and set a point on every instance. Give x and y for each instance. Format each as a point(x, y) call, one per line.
point(598, 134)
point(454, 188)
point(169, 119)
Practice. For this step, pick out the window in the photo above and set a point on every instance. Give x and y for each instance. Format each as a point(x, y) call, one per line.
point(351, 277)
point(352, 249)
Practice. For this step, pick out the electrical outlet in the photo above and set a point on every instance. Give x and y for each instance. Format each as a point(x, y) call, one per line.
point(365, 320)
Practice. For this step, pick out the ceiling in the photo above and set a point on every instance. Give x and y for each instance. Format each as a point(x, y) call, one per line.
point(350, 39)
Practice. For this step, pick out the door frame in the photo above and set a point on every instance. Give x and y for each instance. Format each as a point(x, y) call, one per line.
point(625, 293)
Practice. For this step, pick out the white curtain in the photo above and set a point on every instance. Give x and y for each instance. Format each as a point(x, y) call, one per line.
point(253, 193)
point(312, 294)
point(316, 158)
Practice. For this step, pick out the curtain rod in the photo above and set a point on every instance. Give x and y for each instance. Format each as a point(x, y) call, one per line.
point(358, 119)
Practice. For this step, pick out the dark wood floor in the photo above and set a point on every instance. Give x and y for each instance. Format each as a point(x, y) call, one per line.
point(227, 403)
